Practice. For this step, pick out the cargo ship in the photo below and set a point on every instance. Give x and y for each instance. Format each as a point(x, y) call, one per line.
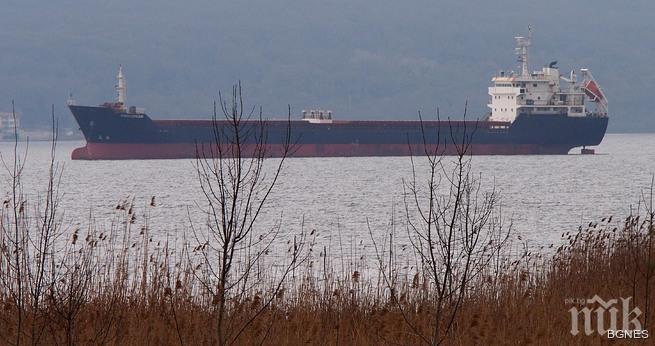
point(530, 112)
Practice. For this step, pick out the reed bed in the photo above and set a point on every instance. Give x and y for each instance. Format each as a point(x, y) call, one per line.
point(116, 286)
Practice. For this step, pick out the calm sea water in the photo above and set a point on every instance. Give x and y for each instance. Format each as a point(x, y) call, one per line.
point(542, 196)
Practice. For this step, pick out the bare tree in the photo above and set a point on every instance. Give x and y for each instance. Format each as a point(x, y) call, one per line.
point(13, 238)
point(27, 241)
point(236, 183)
point(453, 225)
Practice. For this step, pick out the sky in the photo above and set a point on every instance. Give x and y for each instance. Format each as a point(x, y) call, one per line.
point(362, 59)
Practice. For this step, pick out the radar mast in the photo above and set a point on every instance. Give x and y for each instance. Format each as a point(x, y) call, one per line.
point(523, 43)
point(120, 87)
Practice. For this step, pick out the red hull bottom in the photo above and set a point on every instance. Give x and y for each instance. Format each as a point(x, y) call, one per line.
point(103, 151)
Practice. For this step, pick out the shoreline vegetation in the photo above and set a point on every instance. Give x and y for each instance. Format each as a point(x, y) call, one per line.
point(468, 285)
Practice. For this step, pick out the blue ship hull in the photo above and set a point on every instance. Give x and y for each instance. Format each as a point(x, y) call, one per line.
point(113, 134)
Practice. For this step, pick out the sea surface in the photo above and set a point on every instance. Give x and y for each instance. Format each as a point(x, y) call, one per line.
point(345, 200)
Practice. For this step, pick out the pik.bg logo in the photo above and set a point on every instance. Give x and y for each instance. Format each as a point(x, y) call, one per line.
point(602, 317)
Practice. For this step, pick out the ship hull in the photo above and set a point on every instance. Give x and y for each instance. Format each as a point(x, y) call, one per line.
point(136, 151)
point(113, 135)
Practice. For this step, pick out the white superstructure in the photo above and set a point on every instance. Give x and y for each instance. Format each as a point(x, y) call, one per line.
point(317, 116)
point(8, 124)
point(542, 92)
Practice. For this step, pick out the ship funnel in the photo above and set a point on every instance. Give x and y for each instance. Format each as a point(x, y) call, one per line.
point(120, 87)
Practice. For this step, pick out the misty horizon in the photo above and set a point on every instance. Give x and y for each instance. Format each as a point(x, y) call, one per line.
point(363, 61)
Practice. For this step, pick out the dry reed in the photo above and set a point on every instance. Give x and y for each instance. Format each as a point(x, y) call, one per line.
point(113, 290)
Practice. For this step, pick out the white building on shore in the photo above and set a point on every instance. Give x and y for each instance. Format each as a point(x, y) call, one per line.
point(7, 125)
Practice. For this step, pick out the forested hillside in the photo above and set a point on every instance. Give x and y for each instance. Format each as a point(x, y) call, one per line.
point(361, 58)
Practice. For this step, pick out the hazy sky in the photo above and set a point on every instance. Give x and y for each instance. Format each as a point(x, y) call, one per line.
point(361, 58)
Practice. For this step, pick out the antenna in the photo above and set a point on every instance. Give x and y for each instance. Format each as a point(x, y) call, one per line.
point(120, 88)
point(522, 51)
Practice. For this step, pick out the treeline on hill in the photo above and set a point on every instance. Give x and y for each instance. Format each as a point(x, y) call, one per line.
point(362, 61)
point(115, 285)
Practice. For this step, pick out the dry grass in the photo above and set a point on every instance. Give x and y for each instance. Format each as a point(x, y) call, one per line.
point(132, 296)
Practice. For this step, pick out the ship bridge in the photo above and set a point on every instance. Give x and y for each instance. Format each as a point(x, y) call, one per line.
point(542, 92)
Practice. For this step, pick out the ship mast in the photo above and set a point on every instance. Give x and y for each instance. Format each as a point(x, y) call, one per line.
point(120, 87)
point(522, 52)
